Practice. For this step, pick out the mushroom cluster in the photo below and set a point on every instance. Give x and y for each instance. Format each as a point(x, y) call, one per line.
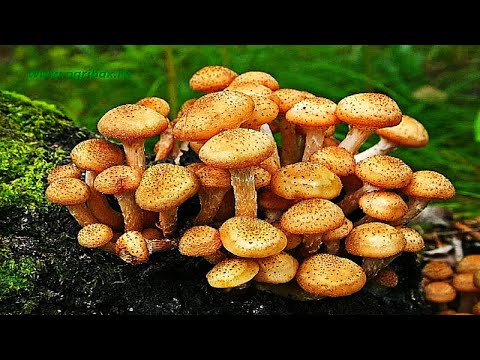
point(284, 205)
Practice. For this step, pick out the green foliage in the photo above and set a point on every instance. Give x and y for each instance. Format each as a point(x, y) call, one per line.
point(476, 127)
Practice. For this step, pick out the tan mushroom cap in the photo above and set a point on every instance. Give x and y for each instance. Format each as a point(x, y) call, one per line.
point(200, 241)
point(313, 112)
point(256, 77)
point(286, 98)
point(427, 184)
point(230, 273)
point(330, 275)
point(237, 149)
point(267, 199)
point(165, 186)
point(293, 240)
point(476, 278)
point(383, 205)
point(96, 155)
point(64, 171)
point(195, 167)
point(212, 177)
point(463, 282)
point(409, 133)
point(437, 270)
point(266, 110)
point(469, 263)
point(132, 248)
point(312, 216)
point(414, 241)
point(371, 110)
point(261, 177)
point(336, 159)
point(213, 113)
point(340, 232)
point(130, 122)
point(304, 180)
point(152, 233)
point(277, 269)
point(439, 292)
point(118, 179)
point(184, 108)
point(251, 89)
point(386, 277)
point(155, 103)
point(67, 191)
point(384, 171)
point(375, 240)
point(251, 238)
point(94, 235)
point(212, 78)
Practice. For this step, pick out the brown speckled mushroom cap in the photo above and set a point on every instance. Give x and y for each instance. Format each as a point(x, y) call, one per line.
point(383, 205)
point(304, 180)
point(330, 275)
point(384, 171)
point(96, 155)
point(132, 248)
point(414, 241)
point(165, 186)
point(293, 240)
point(261, 177)
point(267, 199)
point(476, 278)
point(375, 240)
point(155, 103)
point(340, 232)
point(251, 238)
point(212, 177)
point(386, 277)
point(184, 108)
point(199, 241)
point(313, 112)
point(276, 269)
point(437, 270)
point(67, 191)
point(94, 235)
point(232, 272)
point(439, 292)
point(64, 171)
point(409, 133)
point(370, 110)
point(312, 216)
point(286, 98)
point(256, 77)
point(118, 179)
point(212, 114)
point(237, 149)
point(469, 263)
point(212, 78)
point(151, 233)
point(130, 122)
point(266, 110)
point(463, 282)
point(427, 184)
point(251, 89)
point(336, 159)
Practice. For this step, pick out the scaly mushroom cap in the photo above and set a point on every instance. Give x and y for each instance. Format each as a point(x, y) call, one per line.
point(165, 186)
point(439, 292)
point(155, 103)
point(67, 191)
point(212, 177)
point(232, 272)
point(370, 110)
point(132, 248)
point(184, 108)
point(95, 235)
point(340, 232)
point(293, 240)
point(464, 283)
point(199, 241)
point(386, 277)
point(305, 180)
point(261, 177)
point(287, 98)
point(312, 216)
point(64, 171)
point(330, 275)
point(195, 167)
point(313, 112)
point(375, 240)
point(384, 171)
point(409, 133)
point(96, 155)
point(130, 122)
point(237, 149)
point(212, 78)
point(476, 278)
point(251, 89)
point(276, 269)
point(414, 241)
point(427, 184)
point(383, 205)
point(469, 263)
point(266, 110)
point(251, 238)
point(212, 114)
point(256, 77)
point(336, 159)
point(437, 270)
point(118, 179)
point(267, 199)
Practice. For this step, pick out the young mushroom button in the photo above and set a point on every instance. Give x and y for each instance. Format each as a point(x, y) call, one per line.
point(231, 273)
point(202, 241)
point(97, 236)
point(276, 269)
point(212, 78)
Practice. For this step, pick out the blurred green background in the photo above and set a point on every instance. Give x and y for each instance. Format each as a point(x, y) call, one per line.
point(438, 85)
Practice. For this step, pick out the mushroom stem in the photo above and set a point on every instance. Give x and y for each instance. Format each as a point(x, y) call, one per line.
point(415, 207)
point(290, 153)
point(82, 214)
point(364, 220)
point(333, 247)
point(168, 221)
point(265, 128)
point(354, 139)
point(215, 258)
point(210, 200)
point(350, 202)
point(312, 242)
point(372, 266)
point(156, 245)
point(179, 150)
point(313, 141)
point(132, 213)
point(272, 215)
point(382, 147)
point(135, 153)
point(287, 290)
point(243, 183)
point(164, 146)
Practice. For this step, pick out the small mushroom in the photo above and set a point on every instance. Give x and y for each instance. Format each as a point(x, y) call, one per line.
point(202, 241)
point(332, 238)
point(231, 273)
point(293, 240)
point(272, 205)
point(256, 77)
point(155, 103)
point(276, 269)
point(437, 270)
point(250, 88)
point(132, 248)
point(64, 171)
point(413, 240)
point(387, 278)
point(212, 78)
point(469, 264)
point(469, 293)
point(97, 236)
point(336, 159)
point(381, 206)
point(440, 293)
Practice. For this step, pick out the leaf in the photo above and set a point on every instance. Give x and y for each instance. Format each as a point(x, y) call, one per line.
point(476, 127)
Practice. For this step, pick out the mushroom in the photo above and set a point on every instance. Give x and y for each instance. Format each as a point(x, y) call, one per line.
point(250, 88)
point(293, 240)
point(64, 171)
point(364, 113)
point(437, 270)
point(231, 273)
point(202, 241)
point(155, 241)
point(336, 159)
point(440, 293)
point(469, 264)
point(413, 240)
point(97, 236)
point(272, 205)
point(276, 269)
point(381, 205)
point(212, 78)
point(155, 103)
point(469, 293)
point(332, 238)
point(256, 77)
point(132, 124)
point(132, 248)
point(387, 278)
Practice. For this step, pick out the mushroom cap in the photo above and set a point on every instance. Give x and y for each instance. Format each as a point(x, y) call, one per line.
point(370, 110)
point(305, 180)
point(212, 78)
point(96, 155)
point(409, 133)
point(469, 263)
point(384, 171)
point(256, 77)
point(251, 89)
point(213, 113)
point(261, 177)
point(94, 235)
point(340, 232)
point(414, 241)
point(383, 205)
point(313, 112)
point(270, 164)
point(251, 238)
point(437, 270)
point(230, 273)
point(286, 98)
point(330, 275)
point(195, 146)
point(155, 103)
point(185, 107)
point(212, 177)
point(199, 241)
point(195, 167)
point(276, 269)
point(336, 159)
point(476, 278)
point(464, 283)
point(439, 292)
point(117, 180)
point(386, 277)
point(266, 110)
point(132, 248)
point(375, 240)
point(152, 233)
point(267, 199)
point(293, 240)
point(165, 186)
point(237, 149)
point(130, 122)
point(312, 216)
point(64, 171)
point(67, 191)
point(427, 184)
